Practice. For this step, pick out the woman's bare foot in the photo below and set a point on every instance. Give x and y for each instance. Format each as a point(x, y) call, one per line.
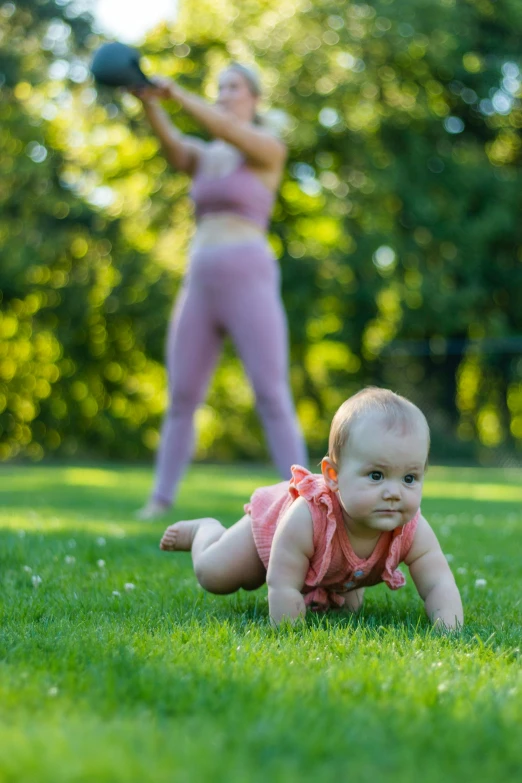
point(152, 510)
point(179, 537)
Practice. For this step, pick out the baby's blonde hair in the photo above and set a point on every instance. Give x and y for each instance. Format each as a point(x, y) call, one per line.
point(396, 410)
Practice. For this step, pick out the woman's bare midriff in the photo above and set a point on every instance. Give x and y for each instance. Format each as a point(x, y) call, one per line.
point(225, 229)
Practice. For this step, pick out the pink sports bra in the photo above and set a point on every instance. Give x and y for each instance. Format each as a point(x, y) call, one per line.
point(241, 192)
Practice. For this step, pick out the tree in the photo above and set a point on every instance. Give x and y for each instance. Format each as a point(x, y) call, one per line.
point(397, 226)
point(77, 328)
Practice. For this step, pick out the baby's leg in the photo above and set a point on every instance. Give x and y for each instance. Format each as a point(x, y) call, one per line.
point(224, 560)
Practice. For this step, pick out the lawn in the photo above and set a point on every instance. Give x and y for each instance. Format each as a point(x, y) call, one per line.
point(115, 666)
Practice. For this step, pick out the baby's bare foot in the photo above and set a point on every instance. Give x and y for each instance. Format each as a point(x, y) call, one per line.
point(179, 537)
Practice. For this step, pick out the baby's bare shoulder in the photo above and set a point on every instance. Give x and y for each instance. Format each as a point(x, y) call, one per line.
point(296, 527)
point(424, 541)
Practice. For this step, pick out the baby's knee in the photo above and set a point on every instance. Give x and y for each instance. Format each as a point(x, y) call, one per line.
point(212, 578)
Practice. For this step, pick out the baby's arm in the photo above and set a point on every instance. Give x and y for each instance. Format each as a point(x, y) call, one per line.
point(433, 578)
point(290, 555)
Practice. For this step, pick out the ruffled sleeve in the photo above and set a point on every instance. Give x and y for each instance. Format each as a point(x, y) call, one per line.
point(399, 548)
point(312, 488)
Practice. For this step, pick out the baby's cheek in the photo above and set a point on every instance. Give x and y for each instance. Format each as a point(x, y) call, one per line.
point(359, 502)
point(349, 501)
point(346, 502)
point(414, 500)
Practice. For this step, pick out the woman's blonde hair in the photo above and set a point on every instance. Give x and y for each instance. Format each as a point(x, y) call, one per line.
point(250, 75)
point(396, 410)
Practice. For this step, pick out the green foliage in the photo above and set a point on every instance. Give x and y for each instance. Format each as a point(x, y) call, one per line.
point(397, 227)
point(164, 682)
point(81, 343)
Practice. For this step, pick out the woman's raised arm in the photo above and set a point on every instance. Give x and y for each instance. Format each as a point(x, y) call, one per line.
point(259, 146)
point(182, 152)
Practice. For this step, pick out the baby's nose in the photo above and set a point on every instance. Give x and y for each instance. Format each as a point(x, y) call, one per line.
point(391, 490)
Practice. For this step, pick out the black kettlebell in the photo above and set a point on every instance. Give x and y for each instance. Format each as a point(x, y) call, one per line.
point(118, 65)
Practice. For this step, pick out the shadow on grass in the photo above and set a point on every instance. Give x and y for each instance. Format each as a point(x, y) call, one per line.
point(118, 492)
point(286, 718)
point(105, 503)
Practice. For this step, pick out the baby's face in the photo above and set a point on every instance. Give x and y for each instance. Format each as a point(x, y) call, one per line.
point(381, 474)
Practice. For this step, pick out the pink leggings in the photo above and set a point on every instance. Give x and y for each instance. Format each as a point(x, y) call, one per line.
point(234, 290)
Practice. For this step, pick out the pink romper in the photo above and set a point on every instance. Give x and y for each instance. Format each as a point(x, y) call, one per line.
point(334, 567)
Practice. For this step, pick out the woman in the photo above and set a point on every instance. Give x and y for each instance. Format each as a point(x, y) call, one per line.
point(232, 283)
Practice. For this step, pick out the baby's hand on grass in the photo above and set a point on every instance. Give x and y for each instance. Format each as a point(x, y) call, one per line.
point(442, 629)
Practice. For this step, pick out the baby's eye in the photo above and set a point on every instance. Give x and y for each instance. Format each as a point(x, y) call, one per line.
point(376, 475)
point(410, 479)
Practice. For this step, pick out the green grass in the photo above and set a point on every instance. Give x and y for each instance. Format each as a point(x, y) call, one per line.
point(164, 682)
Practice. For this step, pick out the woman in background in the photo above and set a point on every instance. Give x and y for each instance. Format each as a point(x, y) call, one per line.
point(232, 283)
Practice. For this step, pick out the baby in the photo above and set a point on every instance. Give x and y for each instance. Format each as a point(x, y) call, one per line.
point(319, 540)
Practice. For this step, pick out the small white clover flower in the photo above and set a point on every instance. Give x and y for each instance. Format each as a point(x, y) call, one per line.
point(101, 541)
point(36, 580)
point(28, 569)
point(100, 563)
point(449, 558)
point(480, 582)
point(462, 570)
point(69, 559)
point(116, 593)
point(129, 586)
point(53, 691)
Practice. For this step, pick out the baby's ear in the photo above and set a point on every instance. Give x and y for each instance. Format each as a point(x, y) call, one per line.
point(329, 471)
